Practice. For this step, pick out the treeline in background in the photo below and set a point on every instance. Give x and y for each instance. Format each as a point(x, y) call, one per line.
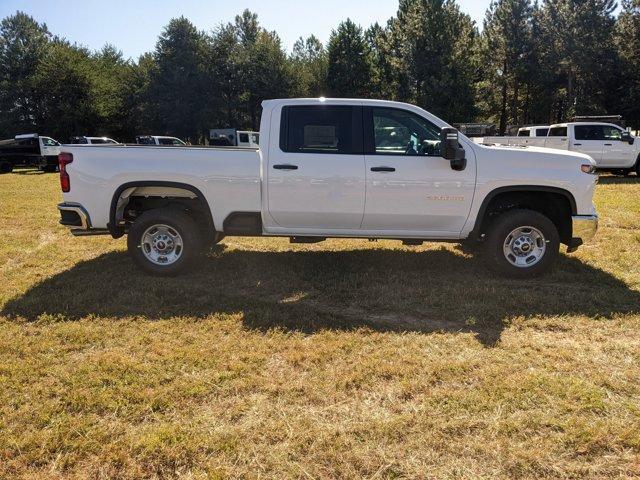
point(530, 63)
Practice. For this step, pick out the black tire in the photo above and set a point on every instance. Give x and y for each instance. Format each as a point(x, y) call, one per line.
point(50, 168)
point(178, 222)
point(5, 166)
point(501, 230)
point(638, 167)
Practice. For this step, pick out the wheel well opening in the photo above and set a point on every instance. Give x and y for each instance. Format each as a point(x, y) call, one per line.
point(553, 205)
point(134, 201)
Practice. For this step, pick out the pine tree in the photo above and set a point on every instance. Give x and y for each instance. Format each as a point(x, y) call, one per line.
point(178, 85)
point(350, 69)
point(627, 39)
point(431, 47)
point(309, 67)
point(506, 47)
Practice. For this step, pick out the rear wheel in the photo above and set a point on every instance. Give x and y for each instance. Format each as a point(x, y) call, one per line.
point(638, 167)
point(522, 244)
point(6, 166)
point(164, 242)
point(50, 168)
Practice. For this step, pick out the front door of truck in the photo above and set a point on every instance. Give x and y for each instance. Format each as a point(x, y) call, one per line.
point(410, 187)
point(315, 175)
point(49, 147)
point(616, 151)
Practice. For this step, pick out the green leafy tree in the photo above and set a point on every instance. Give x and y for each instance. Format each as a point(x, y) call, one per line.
point(179, 80)
point(627, 38)
point(350, 67)
point(24, 44)
point(579, 48)
point(309, 67)
point(64, 85)
point(506, 48)
point(431, 46)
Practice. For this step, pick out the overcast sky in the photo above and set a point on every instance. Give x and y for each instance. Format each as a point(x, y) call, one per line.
point(134, 25)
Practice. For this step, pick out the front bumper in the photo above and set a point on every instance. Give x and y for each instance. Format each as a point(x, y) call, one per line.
point(584, 228)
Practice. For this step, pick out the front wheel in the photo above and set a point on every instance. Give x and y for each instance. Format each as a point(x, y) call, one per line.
point(522, 244)
point(164, 242)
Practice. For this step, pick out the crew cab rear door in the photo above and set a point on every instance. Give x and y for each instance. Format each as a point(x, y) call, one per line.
point(588, 139)
point(315, 173)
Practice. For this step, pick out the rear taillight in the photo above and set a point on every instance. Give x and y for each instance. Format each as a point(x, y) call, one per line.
point(64, 159)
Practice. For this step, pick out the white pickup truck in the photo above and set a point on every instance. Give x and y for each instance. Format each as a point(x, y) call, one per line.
point(334, 168)
point(611, 147)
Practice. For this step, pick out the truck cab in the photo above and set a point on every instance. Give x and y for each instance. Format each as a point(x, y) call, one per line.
point(29, 150)
point(610, 146)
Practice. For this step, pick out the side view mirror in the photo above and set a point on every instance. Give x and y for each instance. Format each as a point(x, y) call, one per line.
point(451, 149)
point(626, 137)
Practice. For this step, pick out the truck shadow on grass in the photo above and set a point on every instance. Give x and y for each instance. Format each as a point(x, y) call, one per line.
point(383, 290)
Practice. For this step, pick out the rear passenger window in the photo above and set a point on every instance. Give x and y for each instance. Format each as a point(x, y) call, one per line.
point(589, 132)
point(558, 132)
point(524, 133)
point(542, 132)
point(321, 129)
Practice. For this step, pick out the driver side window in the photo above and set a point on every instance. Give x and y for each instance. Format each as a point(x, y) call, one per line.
point(403, 133)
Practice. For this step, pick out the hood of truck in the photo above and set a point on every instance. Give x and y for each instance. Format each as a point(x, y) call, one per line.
point(531, 153)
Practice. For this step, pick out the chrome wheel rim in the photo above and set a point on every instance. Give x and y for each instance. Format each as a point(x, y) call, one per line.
point(162, 245)
point(525, 247)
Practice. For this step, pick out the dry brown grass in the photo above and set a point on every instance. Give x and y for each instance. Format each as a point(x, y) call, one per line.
point(345, 359)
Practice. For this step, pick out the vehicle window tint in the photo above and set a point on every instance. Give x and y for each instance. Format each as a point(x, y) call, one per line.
point(244, 137)
point(558, 132)
point(589, 132)
point(400, 132)
point(49, 142)
point(542, 132)
point(165, 141)
point(611, 133)
point(321, 129)
point(524, 133)
point(99, 141)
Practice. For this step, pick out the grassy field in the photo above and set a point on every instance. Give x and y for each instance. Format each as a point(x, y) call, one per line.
point(346, 359)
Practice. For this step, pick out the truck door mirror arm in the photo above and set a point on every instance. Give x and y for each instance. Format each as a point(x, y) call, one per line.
point(451, 149)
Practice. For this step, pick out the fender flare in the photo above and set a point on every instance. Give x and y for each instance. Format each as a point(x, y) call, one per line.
point(117, 231)
point(475, 233)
